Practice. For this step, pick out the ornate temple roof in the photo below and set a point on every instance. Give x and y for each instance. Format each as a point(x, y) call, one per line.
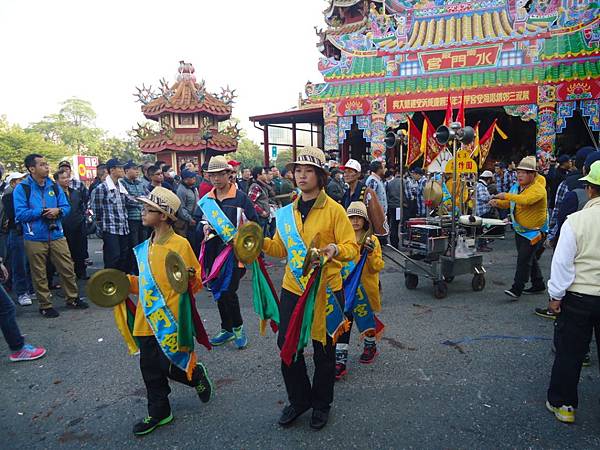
point(462, 80)
point(188, 142)
point(185, 96)
point(480, 27)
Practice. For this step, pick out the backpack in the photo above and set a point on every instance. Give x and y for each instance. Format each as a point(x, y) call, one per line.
point(27, 190)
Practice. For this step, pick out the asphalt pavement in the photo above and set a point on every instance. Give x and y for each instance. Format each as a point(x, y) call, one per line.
point(469, 371)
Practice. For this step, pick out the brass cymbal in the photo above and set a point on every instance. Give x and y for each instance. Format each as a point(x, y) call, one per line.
point(177, 272)
point(312, 254)
point(433, 192)
point(248, 242)
point(107, 287)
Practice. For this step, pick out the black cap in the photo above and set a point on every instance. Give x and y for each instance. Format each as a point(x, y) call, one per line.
point(112, 163)
point(64, 163)
point(130, 165)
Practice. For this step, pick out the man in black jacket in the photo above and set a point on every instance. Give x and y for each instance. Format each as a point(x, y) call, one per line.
point(74, 223)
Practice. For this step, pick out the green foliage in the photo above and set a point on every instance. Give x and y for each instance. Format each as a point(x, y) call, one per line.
point(16, 143)
point(69, 132)
point(248, 153)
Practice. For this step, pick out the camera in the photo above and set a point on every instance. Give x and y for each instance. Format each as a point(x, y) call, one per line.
point(52, 225)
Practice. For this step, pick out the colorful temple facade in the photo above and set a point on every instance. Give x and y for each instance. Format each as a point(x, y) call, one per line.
point(383, 61)
point(192, 124)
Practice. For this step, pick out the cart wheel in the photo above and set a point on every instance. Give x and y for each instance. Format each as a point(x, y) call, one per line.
point(411, 281)
point(440, 289)
point(449, 279)
point(478, 282)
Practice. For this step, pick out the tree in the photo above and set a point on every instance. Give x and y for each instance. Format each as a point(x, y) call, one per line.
point(248, 153)
point(16, 143)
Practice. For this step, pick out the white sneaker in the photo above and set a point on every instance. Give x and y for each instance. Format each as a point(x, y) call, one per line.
point(24, 300)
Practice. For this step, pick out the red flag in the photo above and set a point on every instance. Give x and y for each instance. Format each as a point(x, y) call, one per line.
point(448, 117)
point(485, 143)
point(414, 144)
point(432, 147)
point(460, 117)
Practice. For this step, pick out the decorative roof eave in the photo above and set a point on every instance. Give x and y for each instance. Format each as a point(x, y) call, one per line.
point(219, 142)
point(155, 114)
point(341, 4)
point(346, 29)
point(558, 72)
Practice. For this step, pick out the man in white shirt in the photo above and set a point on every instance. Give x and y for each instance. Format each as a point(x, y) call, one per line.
point(574, 289)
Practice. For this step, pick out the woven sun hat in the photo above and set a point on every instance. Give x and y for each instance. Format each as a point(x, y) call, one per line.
point(352, 164)
point(528, 163)
point(309, 156)
point(486, 174)
point(358, 209)
point(164, 200)
point(218, 164)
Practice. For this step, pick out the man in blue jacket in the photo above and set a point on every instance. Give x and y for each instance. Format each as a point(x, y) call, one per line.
point(39, 206)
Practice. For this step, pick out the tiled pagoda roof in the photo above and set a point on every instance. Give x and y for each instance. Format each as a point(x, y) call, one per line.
point(188, 142)
point(465, 80)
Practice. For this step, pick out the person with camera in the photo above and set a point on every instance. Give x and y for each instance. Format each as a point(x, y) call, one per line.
point(39, 206)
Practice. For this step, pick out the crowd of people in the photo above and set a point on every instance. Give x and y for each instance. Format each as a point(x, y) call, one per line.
point(143, 211)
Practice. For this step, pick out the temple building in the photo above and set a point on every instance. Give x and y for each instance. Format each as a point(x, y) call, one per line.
point(192, 124)
point(532, 65)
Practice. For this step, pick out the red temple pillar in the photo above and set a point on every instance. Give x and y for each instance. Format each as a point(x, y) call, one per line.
point(294, 141)
point(266, 145)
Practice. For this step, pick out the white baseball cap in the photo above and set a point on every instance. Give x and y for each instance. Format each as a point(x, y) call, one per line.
point(352, 164)
point(486, 174)
point(14, 176)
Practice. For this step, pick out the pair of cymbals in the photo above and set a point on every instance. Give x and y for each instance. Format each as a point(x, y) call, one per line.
point(109, 287)
point(248, 242)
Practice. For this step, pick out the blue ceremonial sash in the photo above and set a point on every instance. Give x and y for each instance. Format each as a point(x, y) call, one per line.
point(358, 302)
point(296, 253)
point(533, 235)
point(159, 316)
point(217, 218)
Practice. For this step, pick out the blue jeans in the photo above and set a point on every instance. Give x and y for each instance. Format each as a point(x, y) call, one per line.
point(8, 322)
point(19, 266)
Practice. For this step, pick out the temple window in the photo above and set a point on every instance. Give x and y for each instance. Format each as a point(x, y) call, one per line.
point(409, 68)
point(511, 58)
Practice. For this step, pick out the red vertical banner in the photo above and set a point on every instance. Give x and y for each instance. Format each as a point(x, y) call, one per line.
point(414, 144)
point(432, 147)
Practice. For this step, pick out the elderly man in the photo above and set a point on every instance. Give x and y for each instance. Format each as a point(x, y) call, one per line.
point(527, 201)
point(358, 191)
point(574, 290)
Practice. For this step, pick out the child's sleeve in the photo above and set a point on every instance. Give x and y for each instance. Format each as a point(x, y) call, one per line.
point(375, 263)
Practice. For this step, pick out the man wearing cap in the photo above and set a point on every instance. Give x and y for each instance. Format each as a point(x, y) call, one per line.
point(573, 201)
point(483, 207)
point(557, 175)
point(39, 207)
point(109, 203)
point(573, 181)
point(188, 195)
point(312, 219)
point(74, 223)
point(15, 245)
point(375, 182)
point(135, 187)
point(527, 201)
point(225, 208)
point(335, 187)
point(358, 191)
point(574, 290)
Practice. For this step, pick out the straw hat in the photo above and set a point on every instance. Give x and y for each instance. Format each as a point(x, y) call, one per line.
point(309, 156)
point(164, 200)
point(528, 163)
point(218, 164)
point(358, 209)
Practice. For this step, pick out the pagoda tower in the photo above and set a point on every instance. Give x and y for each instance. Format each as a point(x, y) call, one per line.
point(192, 123)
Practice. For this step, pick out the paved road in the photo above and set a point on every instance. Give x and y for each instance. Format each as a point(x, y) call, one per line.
point(436, 384)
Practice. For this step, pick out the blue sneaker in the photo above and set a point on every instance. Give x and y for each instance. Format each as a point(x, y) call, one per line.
point(223, 337)
point(241, 341)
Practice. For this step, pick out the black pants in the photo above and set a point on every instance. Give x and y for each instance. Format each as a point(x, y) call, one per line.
point(77, 242)
point(229, 303)
point(394, 228)
point(116, 251)
point(580, 315)
point(137, 235)
point(527, 264)
point(300, 392)
point(156, 371)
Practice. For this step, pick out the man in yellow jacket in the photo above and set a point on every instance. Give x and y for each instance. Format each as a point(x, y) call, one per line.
point(527, 201)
